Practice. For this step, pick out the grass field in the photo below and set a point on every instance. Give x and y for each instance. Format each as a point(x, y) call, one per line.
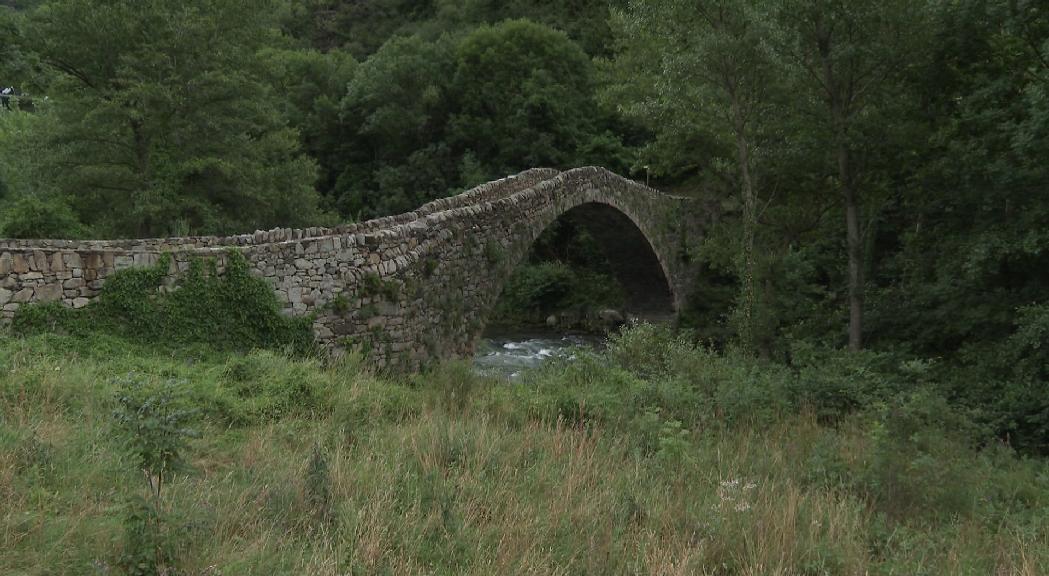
point(653, 457)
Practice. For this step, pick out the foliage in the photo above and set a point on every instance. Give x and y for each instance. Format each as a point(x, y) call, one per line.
point(228, 311)
point(712, 64)
point(166, 125)
point(535, 291)
point(154, 428)
point(427, 118)
point(363, 27)
point(31, 217)
point(536, 84)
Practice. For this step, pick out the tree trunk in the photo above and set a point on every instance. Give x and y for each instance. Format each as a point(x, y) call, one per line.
point(748, 295)
point(855, 246)
point(839, 97)
point(141, 147)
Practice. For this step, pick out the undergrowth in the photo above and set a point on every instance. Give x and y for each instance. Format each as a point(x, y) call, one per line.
point(230, 311)
point(655, 456)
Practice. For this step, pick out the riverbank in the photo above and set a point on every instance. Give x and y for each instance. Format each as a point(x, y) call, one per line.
point(650, 457)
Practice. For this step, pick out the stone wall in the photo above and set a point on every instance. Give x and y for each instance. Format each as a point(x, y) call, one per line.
point(406, 288)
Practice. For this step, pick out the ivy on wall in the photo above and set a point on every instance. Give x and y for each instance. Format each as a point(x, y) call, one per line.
point(228, 311)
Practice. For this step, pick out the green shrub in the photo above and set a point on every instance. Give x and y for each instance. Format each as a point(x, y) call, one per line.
point(153, 424)
point(535, 291)
point(32, 217)
point(649, 350)
point(921, 457)
point(835, 383)
point(232, 311)
point(262, 386)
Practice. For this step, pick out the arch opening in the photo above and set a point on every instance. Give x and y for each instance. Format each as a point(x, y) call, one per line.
point(632, 259)
point(592, 262)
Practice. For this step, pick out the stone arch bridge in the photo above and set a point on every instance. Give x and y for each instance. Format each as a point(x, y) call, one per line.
point(409, 287)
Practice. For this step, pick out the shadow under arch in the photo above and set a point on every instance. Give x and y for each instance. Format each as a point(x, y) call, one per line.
point(631, 258)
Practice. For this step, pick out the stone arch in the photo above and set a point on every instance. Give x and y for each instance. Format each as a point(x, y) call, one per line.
point(635, 262)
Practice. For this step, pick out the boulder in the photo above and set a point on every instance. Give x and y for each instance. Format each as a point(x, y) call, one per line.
point(610, 316)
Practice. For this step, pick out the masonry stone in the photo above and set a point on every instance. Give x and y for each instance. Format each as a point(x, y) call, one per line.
point(440, 251)
point(22, 296)
point(18, 264)
point(48, 293)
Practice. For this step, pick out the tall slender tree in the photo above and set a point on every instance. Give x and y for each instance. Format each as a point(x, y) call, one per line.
point(709, 60)
point(847, 57)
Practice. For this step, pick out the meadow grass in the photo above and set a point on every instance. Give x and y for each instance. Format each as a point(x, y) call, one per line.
point(654, 457)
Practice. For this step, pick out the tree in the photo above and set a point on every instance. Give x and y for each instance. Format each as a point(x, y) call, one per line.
point(396, 112)
point(525, 98)
point(847, 57)
point(427, 119)
point(310, 86)
point(166, 125)
point(710, 59)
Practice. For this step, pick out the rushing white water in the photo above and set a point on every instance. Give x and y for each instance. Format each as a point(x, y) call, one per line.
point(508, 355)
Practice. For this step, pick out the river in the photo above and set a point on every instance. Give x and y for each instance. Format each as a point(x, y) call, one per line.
point(507, 354)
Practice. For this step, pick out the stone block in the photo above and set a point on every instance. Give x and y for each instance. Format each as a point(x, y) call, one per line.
point(49, 293)
point(72, 260)
point(22, 296)
point(6, 263)
point(18, 264)
point(40, 262)
point(57, 263)
point(79, 303)
point(5, 296)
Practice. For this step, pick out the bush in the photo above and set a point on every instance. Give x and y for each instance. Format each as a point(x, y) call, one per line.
point(921, 457)
point(649, 350)
point(836, 383)
point(153, 424)
point(232, 311)
point(32, 217)
point(535, 291)
point(262, 386)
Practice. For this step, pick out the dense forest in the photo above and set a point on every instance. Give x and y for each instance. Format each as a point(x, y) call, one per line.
point(878, 168)
point(868, 340)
